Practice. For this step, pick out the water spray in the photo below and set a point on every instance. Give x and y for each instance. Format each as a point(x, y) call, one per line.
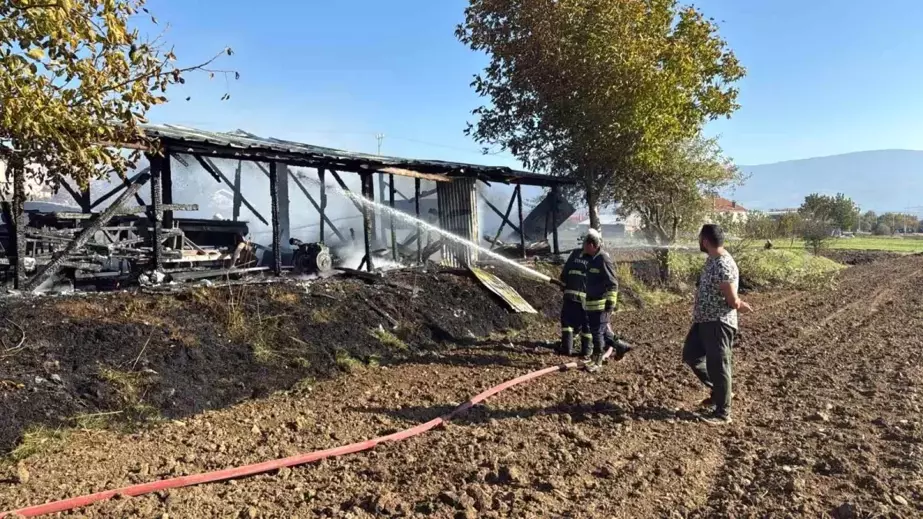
point(408, 219)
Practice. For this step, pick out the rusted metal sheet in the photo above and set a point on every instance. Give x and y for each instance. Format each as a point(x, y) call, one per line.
point(504, 291)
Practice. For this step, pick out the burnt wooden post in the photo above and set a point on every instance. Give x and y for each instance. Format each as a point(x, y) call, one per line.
point(522, 233)
point(391, 217)
point(276, 228)
point(282, 189)
point(238, 196)
point(166, 193)
point(157, 165)
point(555, 193)
point(19, 221)
point(416, 208)
point(86, 202)
point(381, 198)
point(323, 201)
point(368, 192)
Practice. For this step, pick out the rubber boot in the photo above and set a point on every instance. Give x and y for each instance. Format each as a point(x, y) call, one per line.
point(567, 343)
point(621, 348)
point(586, 346)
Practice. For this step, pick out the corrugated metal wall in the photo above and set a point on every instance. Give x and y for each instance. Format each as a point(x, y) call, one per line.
point(458, 214)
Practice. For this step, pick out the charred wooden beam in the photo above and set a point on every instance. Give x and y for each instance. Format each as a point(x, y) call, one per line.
point(555, 194)
point(368, 191)
point(156, 214)
point(166, 189)
point(237, 193)
point(391, 191)
point(336, 176)
point(506, 217)
point(323, 206)
point(320, 208)
point(390, 183)
point(522, 236)
point(416, 209)
point(102, 219)
point(215, 172)
point(276, 227)
point(114, 191)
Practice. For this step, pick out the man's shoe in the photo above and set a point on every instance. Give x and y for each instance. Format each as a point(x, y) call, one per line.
point(717, 419)
point(708, 404)
point(593, 367)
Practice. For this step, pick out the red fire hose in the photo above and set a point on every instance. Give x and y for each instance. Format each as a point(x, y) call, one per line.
point(266, 466)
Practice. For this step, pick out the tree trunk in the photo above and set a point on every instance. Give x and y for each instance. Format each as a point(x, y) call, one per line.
point(592, 202)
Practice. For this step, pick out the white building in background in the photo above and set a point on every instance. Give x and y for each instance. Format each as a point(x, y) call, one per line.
point(614, 226)
point(34, 190)
point(727, 208)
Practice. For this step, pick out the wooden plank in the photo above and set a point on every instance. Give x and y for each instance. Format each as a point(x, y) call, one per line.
point(414, 174)
point(503, 291)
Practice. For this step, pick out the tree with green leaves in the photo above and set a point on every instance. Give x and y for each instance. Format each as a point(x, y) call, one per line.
point(868, 221)
point(76, 80)
point(839, 211)
point(596, 90)
point(680, 184)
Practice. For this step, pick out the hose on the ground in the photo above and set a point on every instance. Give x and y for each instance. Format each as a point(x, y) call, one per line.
point(266, 466)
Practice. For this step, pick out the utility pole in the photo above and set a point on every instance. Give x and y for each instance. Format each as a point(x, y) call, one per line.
point(379, 137)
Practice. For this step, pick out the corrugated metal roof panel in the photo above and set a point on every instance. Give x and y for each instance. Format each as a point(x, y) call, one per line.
point(245, 141)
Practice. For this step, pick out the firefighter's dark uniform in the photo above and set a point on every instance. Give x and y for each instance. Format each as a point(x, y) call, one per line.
point(601, 294)
point(573, 316)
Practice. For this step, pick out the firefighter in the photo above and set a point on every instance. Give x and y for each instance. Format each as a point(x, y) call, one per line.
point(600, 297)
point(573, 316)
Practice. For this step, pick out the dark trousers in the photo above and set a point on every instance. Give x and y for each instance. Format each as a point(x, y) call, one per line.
point(707, 350)
point(573, 323)
point(598, 323)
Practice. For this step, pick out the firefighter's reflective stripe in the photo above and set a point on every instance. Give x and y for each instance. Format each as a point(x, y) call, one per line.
point(576, 273)
point(612, 297)
point(587, 336)
point(567, 329)
point(594, 305)
point(576, 293)
point(594, 271)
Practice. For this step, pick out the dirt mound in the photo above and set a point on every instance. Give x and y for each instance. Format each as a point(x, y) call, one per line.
point(826, 425)
point(858, 257)
point(144, 356)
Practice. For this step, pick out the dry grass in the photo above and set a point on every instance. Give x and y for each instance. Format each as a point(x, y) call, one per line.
point(322, 315)
point(282, 296)
point(131, 387)
point(37, 440)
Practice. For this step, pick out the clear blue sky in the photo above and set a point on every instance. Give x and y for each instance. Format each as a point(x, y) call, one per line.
point(825, 76)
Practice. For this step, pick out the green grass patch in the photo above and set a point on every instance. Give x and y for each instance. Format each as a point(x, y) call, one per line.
point(901, 244)
point(347, 362)
point(389, 340)
point(787, 269)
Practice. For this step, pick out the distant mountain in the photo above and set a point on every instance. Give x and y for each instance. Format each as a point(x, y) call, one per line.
point(884, 180)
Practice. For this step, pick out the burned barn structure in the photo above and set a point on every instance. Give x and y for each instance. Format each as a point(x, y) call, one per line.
point(143, 229)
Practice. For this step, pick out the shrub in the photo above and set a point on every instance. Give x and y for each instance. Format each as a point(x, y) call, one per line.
point(762, 268)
